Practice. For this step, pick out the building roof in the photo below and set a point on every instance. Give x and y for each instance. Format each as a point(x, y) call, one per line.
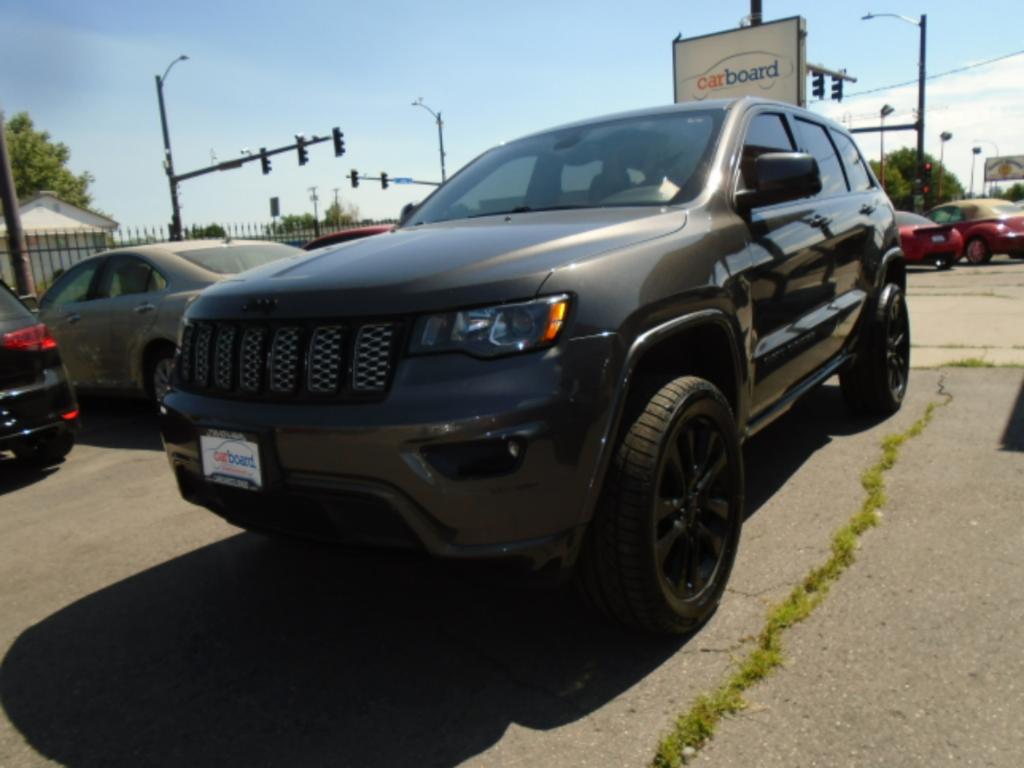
point(45, 212)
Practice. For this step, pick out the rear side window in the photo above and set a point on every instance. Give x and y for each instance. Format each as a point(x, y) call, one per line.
point(814, 140)
point(947, 215)
point(856, 172)
point(767, 133)
point(73, 286)
point(10, 307)
point(128, 275)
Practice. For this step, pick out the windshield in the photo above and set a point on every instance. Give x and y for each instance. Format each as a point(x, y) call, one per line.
point(634, 161)
point(231, 259)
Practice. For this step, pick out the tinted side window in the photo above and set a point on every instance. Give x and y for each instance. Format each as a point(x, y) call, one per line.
point(73, 286)
point(814, 139)
point(767, 133)
point(125, 276)
point(10, 307)
point(856, 172)
point(946, 215)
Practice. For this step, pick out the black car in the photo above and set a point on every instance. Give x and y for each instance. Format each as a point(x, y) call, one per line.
point(558, 354)
point(38, 411)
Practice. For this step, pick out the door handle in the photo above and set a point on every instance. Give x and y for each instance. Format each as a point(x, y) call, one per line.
point(142, 309)
point(817, 220)
point(867, 210)
point(72, 319)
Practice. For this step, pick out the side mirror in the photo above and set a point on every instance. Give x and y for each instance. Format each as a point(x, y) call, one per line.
point(31, 303)
point(780, 177)
point(407, 211)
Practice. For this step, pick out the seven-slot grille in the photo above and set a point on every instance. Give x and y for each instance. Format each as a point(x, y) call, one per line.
point(287, 360)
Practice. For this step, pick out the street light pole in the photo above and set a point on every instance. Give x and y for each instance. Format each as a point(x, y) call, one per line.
point(991, 184)
point(922, 24)
point(440, 132)
point(884, 113)
point(974, 154)
point(943, 138)
point(175, 231)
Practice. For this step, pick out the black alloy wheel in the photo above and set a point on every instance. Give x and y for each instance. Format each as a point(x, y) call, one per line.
point(692, 529)
point(876, 383)
point(658, 553)
point(897, 346)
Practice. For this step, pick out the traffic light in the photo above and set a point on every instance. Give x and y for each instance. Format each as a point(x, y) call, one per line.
point(383, 180)
point(339, 142)
point(353, 176)
point(300, 145)
point(926, 178)
point(818, 85)
point(837, 89)
point(264, 161)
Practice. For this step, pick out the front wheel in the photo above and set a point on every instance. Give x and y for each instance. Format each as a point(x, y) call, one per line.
point(662, 543)
point(977, 251)
point(876, 383)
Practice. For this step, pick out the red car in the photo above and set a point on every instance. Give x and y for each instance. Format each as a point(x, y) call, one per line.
point(344, 235)
point(987, 227)
point(925, 242)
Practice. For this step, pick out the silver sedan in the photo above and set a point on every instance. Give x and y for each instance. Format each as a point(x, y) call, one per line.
point(116, 315)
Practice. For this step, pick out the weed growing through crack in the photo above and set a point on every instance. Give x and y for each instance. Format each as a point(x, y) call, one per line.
point(696, 727)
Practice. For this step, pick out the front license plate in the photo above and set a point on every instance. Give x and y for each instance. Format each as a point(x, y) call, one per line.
point(938, 238)
point(231, 458)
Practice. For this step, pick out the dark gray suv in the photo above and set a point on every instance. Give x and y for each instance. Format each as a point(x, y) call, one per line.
point(557, 355)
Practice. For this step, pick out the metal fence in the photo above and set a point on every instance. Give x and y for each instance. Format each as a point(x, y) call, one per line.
point(51, 253)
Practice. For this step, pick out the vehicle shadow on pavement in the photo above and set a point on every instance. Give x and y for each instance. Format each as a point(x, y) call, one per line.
point(252, 651)
point(109, 422)
point(1013, 435)
point(16, 474)
point(774, 455)
point(256, 651)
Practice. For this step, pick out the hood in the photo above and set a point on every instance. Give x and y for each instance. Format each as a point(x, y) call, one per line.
point(436, 266)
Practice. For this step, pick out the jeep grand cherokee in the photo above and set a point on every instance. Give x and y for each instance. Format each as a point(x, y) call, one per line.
point(557, 355)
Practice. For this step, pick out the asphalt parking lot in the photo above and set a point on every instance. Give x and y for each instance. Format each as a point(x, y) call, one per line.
point(136, 629)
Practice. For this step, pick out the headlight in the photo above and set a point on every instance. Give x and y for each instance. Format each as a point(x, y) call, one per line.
point(492, 331)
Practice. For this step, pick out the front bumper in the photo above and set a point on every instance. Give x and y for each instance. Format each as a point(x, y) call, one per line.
point(464, 458)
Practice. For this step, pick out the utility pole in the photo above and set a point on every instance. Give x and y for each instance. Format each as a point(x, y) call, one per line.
point(316, 213)
point(919, 186)
point(16, 245)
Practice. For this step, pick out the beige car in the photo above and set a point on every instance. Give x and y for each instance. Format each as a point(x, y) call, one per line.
point(116, 314)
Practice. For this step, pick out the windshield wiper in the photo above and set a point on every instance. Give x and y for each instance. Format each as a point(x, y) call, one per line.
point(528, 209)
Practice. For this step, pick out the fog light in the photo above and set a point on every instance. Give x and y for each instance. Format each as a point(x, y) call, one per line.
point(476, 458)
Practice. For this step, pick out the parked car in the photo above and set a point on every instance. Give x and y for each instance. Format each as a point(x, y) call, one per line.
point(345, 235)
point(38, 411)
point(925, 242)
point(987, 227)
point(557, 355)
point(116, 315)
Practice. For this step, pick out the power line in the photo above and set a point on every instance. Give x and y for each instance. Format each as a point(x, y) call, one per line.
point(932, 77)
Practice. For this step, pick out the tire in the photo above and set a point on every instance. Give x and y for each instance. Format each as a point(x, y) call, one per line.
point(977, 251)
point(943, 263)
point(662, 543)
point(161, 369)
point(876, 383)
point(46, 452)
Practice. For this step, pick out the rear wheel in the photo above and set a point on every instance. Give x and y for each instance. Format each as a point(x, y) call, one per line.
point(877, 381)
point(161, 369)
point(45, 452)
point(977, 251)
point(662, 544)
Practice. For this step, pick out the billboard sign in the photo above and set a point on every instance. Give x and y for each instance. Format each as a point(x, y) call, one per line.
point(766, 61)
point(1007, 168)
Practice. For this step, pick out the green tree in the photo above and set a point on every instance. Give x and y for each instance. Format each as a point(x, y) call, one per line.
point(296, 222)
point(1014, 193)
point(210, 230)
point(38, 164)
point(904, 162)
point(341, 215)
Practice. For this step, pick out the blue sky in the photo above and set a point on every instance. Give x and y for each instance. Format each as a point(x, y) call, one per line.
point(259, 72)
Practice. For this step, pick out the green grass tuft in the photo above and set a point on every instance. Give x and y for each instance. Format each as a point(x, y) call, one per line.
point(695, 727)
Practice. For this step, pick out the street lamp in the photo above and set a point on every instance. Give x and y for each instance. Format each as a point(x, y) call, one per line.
point(440, 131)
point(944, 137)
point(975, 152)
point(922, 23)
point(175, 232)
point(883, 113)
point(998, 154)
